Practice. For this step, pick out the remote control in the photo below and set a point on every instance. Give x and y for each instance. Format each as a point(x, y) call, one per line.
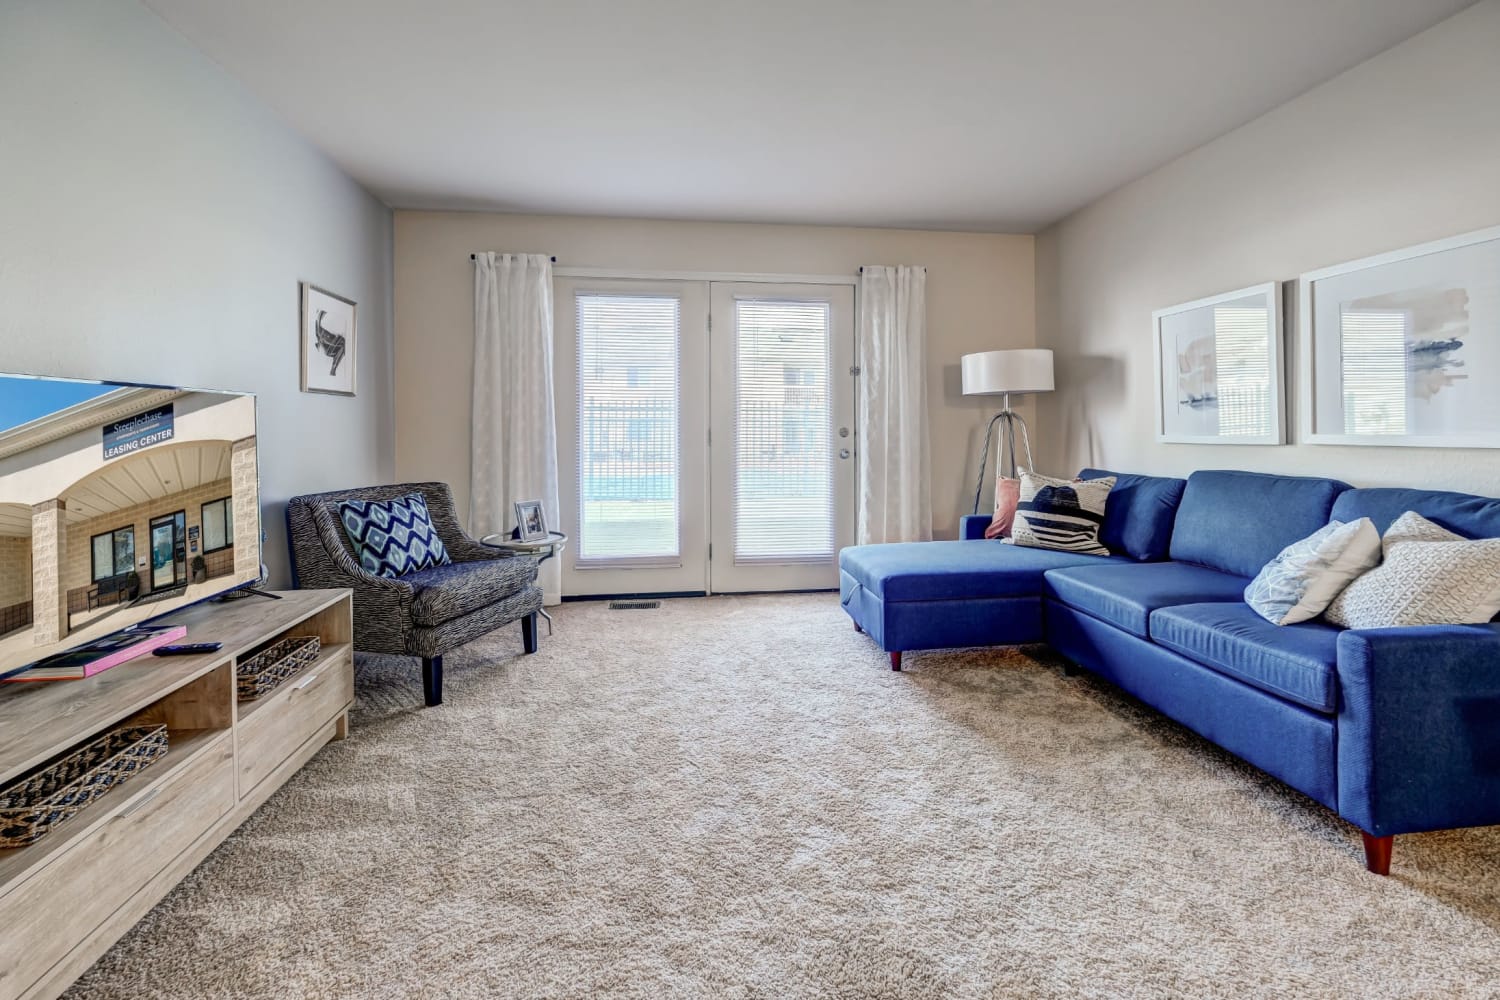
point(188, 649)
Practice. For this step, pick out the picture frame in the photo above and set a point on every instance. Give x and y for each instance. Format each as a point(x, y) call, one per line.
point(330, 343)
point(1402, 349)
point(531, 521)
point(1219, 368)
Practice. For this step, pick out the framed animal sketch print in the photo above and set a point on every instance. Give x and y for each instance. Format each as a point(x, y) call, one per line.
point(1218, 369)
point(328, 342)
point(1404, 348)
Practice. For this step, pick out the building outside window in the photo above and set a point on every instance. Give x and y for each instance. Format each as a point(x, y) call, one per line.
point(113, 553)
point(218, 525)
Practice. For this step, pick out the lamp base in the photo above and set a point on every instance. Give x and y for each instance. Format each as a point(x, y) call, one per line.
point(1012, 419)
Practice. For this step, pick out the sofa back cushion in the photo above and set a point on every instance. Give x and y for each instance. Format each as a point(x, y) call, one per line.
point(1463, 513)
point(1238, 521)
point(1138, 518)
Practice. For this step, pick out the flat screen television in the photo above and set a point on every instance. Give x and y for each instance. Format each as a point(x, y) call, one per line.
point(118, 503)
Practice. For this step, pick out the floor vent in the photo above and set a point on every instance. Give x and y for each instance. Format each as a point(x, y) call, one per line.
point(633, 605)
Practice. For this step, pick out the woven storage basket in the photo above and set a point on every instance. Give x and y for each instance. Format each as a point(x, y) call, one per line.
point(264, 672)
point(35, 804)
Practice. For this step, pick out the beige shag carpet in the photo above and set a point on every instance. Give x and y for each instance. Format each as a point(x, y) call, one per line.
point(736, 798)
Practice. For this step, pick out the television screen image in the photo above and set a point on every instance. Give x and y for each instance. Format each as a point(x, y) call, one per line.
point(118, 503)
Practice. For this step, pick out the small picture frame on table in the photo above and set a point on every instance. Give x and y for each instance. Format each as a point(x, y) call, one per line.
point(531, 522)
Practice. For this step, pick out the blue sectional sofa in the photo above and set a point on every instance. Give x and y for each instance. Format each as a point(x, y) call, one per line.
point(1397, 730)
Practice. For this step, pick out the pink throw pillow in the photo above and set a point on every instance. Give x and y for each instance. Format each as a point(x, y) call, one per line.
point(1007, 496)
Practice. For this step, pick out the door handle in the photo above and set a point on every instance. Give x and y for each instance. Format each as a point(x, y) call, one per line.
point(308, 683)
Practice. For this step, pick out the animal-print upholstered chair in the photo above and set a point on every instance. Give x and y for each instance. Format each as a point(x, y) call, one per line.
point(425, 613)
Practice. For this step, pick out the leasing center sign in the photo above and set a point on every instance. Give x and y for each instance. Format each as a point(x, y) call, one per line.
point(140, 431)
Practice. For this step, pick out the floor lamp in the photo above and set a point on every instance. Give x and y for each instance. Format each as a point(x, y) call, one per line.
point(1001, 373)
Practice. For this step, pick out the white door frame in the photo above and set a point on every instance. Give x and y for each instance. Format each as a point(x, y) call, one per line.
point(688, 573)
point(727, 574)
point(693, 573)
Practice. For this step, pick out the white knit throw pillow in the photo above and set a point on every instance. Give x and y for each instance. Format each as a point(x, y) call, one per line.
point(1430, 576)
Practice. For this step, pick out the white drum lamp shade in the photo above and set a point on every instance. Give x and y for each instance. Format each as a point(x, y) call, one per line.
point(994, 373)
point(1001, 373)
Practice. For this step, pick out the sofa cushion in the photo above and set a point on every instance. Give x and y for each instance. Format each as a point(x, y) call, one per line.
point(1300, 583)
point(1061, 514)
point(444, 593)
point(1125, 593)
point(940, 571)
point(1238, 521)
point(1138, 517)
point(393, 537)
point(1430, 576)
point(1295, 662)
point(1468, 515)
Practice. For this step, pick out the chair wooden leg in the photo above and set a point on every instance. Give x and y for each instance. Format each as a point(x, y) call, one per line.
point(432, 680)
point(528, 632)
point(896, 660)
point(1377, 853)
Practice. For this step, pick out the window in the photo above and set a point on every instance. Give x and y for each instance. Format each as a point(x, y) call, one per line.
point(1374, 370)
point(113, 553)
point(783, 465)
point(218, 525)
point(628, 451)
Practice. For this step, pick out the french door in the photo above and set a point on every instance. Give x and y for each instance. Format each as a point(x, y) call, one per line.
point(711, 427)
point(168, 551)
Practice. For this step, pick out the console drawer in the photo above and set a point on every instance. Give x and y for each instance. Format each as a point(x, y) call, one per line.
point(277, 726)
point(50, 912)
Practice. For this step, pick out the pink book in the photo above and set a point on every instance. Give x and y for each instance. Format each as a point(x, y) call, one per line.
point(98, 656)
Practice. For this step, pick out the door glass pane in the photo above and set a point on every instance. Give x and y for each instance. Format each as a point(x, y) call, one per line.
point(162, 574)
point(783, 462)
point(627, 427)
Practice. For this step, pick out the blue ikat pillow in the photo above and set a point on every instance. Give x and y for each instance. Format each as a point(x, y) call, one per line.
point(393, 537)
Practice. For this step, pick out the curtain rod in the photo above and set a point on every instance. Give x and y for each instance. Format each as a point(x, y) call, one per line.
point(862, 270)
point(475, 256)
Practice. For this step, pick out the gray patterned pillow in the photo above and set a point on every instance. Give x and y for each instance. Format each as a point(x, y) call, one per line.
point(1061, 513)
point(1430, 576)
point(1305, 576)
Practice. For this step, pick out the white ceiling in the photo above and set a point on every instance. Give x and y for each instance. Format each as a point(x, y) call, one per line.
point(949, 114)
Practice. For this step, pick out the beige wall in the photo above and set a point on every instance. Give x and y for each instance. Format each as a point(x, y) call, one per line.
point(15, 570)
point(155, 222)
point(1399, 150)
point(979, 295)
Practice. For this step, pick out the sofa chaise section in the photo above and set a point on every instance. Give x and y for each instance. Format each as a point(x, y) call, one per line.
point(979, 592)
point(936, 595)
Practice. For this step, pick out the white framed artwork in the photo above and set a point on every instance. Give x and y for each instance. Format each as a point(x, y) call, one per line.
point(1404, 348)
point(1218, 369)
point(328, 342)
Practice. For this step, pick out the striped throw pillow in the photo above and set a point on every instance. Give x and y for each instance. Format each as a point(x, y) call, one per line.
point(1061, 513)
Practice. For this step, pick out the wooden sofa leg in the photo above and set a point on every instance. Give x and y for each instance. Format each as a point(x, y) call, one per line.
point(528, 632)
point(432, 680)
point(1377, 853)
point(896, 660)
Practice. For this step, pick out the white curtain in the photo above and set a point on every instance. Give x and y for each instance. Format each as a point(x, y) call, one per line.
point(514, 452)
point(895, 494)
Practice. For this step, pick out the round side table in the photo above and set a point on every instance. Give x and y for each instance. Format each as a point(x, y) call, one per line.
point(542, 548)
